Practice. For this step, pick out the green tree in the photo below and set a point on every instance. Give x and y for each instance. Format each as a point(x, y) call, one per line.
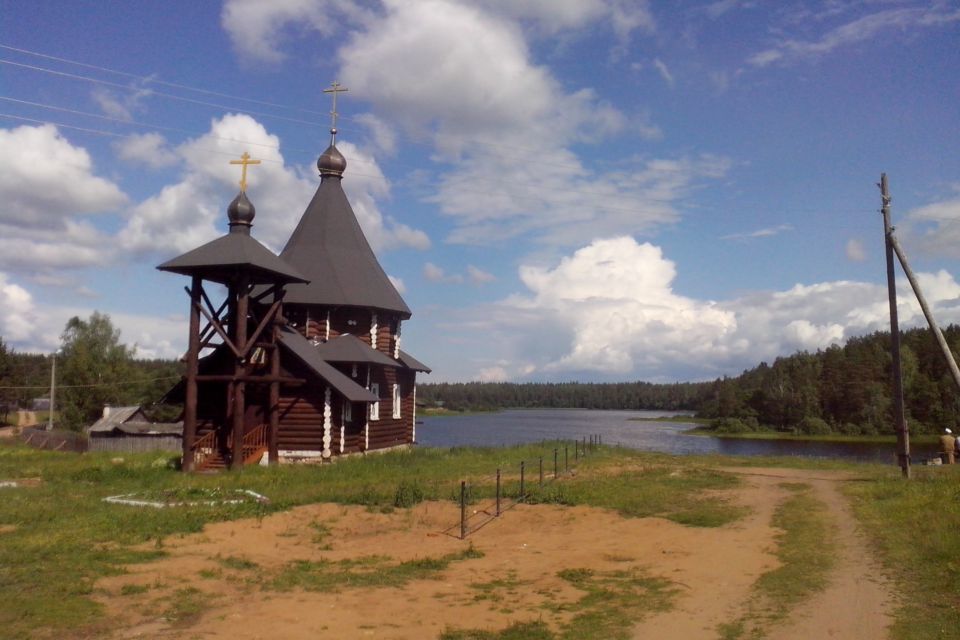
point(92, 367)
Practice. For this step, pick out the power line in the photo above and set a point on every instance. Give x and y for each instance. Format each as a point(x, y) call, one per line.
point(169, 96)
point(154, 80)
point(96, 385)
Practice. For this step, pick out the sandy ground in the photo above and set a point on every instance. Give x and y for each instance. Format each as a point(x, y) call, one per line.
point(515, 580)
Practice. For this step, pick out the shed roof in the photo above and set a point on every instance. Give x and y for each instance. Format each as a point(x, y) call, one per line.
point(151, 428)
point(328, 247)
point(350, 348)
point(410, 362)
point(115, 417)
point(308, 354)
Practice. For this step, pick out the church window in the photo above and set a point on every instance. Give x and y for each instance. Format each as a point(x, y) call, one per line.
point(375, 406)
point(396, 401)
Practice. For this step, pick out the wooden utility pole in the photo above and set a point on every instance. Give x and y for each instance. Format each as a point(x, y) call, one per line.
point(928, 314)
point(903, 435)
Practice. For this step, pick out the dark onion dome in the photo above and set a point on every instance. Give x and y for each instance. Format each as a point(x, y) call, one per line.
point(241, 213)
point(328, 247)
point(331, 162)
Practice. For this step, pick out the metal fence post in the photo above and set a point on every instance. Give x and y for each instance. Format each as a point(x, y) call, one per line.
point(566, 458)
point(554, 464)
point(523, 494)
point(498, 492)
point(463, 509)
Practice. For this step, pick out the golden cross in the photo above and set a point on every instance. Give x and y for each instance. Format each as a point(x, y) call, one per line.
point(244, 160)
point(335, 88)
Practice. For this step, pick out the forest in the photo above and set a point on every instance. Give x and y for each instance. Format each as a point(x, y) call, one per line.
point(93, 369)
point(843, 390)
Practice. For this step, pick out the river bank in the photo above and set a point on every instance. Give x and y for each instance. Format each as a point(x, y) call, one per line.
point(660, 431)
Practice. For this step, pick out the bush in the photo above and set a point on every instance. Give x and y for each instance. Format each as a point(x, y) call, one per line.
point(814, 426)
point(730, 425)
point(407, 495)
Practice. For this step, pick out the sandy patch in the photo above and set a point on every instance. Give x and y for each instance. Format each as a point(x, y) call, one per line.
point(515, 580)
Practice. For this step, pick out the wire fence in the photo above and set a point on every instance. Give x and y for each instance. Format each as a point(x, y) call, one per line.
point(513, 486)
point(55, 440)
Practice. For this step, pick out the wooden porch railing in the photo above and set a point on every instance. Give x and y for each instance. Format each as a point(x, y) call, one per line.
point(204, 450)
point(208, 456)
point(255, 443)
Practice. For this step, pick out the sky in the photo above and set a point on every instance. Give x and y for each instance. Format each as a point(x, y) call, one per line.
point(593, 190)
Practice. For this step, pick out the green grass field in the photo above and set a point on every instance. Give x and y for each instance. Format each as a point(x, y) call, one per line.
point(58, 536)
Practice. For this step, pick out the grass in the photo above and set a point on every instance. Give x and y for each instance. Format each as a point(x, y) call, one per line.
point(612, 603)
point(915, 528)
point(370, 571)
point(806, 553)
point(803, 437)
point(58, 538)
point(676, 493)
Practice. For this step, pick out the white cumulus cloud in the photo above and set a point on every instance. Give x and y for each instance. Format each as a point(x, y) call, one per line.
point(609, 311)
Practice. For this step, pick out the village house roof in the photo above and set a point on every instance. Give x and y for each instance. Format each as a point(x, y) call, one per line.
point(131, 421)
point(220, 259)
point(328, 247)
point(351, 349)
point(307, 353)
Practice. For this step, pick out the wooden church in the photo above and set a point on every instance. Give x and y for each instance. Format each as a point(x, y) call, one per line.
point(302, 358)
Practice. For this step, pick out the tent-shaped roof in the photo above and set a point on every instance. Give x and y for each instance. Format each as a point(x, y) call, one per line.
point(307, 353)
point(328, 247)
point(350, 349)
point(220, 259)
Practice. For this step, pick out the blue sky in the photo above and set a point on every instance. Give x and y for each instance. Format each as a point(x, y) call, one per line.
point(562, 190)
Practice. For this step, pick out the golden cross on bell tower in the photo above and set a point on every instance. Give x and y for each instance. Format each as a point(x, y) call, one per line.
point(335, 88)
point(244, 160)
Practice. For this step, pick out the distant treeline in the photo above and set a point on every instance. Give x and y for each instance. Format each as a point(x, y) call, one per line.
point(837, 390)
point(484, 396)
point(842, 389)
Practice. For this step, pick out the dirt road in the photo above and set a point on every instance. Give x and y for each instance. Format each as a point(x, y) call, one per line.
point(231, 572)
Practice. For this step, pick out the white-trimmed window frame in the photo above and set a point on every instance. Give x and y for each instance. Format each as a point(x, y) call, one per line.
point(396, 401)
point(375, 406)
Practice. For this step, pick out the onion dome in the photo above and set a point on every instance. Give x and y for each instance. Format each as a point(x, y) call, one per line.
point(241, 213)
point(331, 162)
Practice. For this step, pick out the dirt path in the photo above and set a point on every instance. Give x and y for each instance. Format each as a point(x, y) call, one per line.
point(858, 601)
point(222, 583)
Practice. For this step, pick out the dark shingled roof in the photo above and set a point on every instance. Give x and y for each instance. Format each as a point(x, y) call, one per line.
point(329, 248)
point(308, 354)
point(410, 362)
point(349, 348)
point(220, 259)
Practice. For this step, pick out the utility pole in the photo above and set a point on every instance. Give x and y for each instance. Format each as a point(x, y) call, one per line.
point(53, 391)
point(903, 434)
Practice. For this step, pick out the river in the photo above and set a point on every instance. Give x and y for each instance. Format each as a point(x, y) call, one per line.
point(628, 428)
